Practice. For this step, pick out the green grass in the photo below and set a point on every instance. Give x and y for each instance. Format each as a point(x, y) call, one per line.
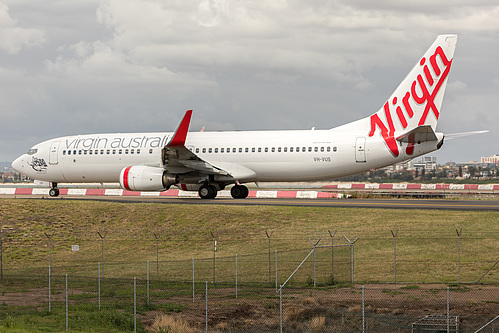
point(426, 242)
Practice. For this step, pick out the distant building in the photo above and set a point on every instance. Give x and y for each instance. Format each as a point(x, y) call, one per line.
point(427, 163)
point(490, 159)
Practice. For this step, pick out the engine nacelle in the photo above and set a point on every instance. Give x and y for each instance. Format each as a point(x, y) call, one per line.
point(146, 178)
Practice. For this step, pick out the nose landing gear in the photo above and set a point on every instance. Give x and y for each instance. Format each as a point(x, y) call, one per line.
point(54, 191)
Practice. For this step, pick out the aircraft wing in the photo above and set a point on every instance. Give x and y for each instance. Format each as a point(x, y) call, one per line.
point(176, 158)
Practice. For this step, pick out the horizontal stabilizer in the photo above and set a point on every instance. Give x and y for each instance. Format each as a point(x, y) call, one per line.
point(422, 133)
point(462, 134)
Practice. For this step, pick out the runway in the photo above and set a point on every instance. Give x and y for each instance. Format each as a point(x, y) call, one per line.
point(464, 205)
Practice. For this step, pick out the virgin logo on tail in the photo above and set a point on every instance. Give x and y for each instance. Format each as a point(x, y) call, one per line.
point(420, 94)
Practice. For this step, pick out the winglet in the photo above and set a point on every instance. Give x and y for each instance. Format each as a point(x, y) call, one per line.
point(180, 135)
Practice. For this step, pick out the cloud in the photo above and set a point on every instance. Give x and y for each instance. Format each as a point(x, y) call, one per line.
point(14, 38)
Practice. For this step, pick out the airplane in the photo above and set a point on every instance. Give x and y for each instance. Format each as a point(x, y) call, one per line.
point(206, 162)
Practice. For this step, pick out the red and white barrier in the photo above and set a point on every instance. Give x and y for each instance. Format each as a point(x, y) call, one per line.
point(455, 187)
point(169, 193)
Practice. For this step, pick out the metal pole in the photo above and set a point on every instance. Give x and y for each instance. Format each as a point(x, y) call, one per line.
point(314, 245)
point(448, 310)
point(280, 307)
point(332, 254)
point(157, 256)
point(268, 236)
point(49, 287)
point(275, 270)
point(102, 246)
point(236, 275)
point(459, 232)
point(206, 319)
point(214, 250)
point(98, 283)
point(147, 282)
point(135, 304)
point(351, 253)
point(67, 317)
point(394, 254)
point(1, 255)
point(193, 280)
point(363, 311)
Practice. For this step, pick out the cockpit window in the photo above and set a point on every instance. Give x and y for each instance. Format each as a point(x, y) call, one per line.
point(32, 151)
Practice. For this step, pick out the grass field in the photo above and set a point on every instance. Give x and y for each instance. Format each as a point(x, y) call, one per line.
point(427, 243)
point(426, 250)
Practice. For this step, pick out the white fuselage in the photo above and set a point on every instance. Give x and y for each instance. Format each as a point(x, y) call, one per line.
point(249, 156)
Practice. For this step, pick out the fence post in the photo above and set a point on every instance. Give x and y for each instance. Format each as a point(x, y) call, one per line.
point(280, 307)
point(157, 255)
point(98, 281)
point(147, 282)
point(50, 265)
point(268, 236)
point(448, 310)
point(214, 250)
point(67, 309)
point(193, 280)
point(314, 245)
point(332, 254)
point(236, 275)
point(351, 253)
point(459, 232)
point(394, 254)
point(50, 286)
point(206, 319)
point(102, 250)
point(135, 304)
point(363, 311)
point(275, 270)
point(1, 255)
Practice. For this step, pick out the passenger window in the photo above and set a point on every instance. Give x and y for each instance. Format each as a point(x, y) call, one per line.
point(297, 149)
point(266, 149)
point(216, 150)
point(273, 149)
point(96, 152)
point(108, 152)
point(74, 152)
point(240, 150)
point(63, 152)
point(138, 151)
point(114, 151)
point(102, 151)
point(279, 149)
point(210, 150)
point(290, 149)
point(322, 149)
point(335, 149)
point(328, 149)
point(259, 149)
point(150, 151)
point(69, 152)
point(126, 151)
point(197, 150)
point(204, 150)
point(221, 150)
point(303, 149)
point(309, 149)
point(316, 149)
point(285, 149)
point(132, 151)
point(79, 152)
point(228, 150)
point(90, 152)
point(246, 150)
point(253, 150)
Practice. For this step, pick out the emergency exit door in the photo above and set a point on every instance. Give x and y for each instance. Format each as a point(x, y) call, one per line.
point(54, 149)
point(360, 150)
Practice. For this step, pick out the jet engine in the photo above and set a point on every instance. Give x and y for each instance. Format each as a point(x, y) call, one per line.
point(146, 178)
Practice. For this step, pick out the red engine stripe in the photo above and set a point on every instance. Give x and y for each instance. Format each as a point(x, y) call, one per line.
point(125, 179)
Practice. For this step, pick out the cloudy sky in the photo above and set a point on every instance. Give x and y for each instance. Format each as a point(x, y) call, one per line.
point(91, 66)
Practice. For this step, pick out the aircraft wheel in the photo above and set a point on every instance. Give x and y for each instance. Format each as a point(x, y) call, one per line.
point(207, 192)
point(54, 192)
point(239, 192)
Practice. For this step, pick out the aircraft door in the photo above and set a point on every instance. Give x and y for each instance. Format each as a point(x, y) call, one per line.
point(360, 150)
point(54, 149)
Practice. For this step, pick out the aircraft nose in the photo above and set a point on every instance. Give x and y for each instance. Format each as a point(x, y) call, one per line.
point(18, 164)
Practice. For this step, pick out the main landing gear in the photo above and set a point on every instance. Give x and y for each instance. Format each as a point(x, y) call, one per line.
point(54, 191)
point(208, 191)
point(239, 192)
